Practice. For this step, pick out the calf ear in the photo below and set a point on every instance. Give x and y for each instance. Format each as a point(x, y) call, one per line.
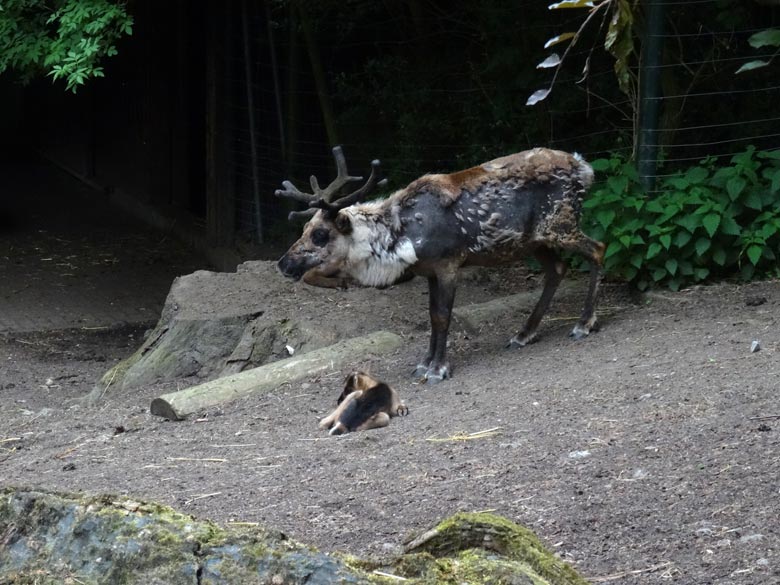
point(343, 223)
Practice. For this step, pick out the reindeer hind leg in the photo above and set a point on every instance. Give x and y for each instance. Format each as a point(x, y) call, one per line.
point(593, 251)
point(554, 271)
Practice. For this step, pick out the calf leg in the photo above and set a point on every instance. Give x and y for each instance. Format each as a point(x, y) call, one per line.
point(379, 420)
point(554, 271)
point(441, 295)
point(329, 420)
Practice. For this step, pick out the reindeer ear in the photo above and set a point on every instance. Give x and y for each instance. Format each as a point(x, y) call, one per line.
point(343, 223)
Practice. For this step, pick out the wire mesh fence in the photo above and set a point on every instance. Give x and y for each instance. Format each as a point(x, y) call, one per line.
point(431, 87)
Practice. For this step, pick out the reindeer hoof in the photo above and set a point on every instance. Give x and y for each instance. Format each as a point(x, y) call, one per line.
point(581, 331)
point(521, 341)
point(420, 371)
point(434, 375)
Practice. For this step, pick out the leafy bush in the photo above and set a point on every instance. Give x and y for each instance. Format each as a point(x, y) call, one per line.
point(705, 221)
point(65, 39)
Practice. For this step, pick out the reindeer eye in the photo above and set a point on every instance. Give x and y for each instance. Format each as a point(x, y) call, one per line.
point(320, 237)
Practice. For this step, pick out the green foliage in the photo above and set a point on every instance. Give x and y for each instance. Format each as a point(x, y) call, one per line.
point(65, 39)
point(765, 38)
point(618, 41)
point(705, 221)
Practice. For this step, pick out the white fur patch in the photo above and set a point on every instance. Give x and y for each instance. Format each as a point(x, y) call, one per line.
point(585, 170)
point(376, 256)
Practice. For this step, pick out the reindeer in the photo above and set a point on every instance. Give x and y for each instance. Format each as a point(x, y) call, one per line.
point(365, 403)
point(524, 204)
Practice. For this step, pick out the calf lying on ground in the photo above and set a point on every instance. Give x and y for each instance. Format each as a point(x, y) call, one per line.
point(364, 404)
point(524, 204)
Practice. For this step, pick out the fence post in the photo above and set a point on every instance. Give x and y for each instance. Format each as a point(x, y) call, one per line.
point(650, 94)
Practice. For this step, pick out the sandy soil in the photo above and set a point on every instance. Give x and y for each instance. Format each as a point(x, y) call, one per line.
point(648, 453)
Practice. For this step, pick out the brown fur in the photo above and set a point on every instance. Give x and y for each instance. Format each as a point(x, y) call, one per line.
point(526, 204)
point(362, 389)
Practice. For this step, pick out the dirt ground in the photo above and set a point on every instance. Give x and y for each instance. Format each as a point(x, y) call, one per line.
point(648, 453)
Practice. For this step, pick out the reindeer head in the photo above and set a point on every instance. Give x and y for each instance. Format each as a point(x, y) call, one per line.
point(326, 239)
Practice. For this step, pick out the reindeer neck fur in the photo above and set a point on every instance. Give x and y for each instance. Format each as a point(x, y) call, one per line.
point(379, 253)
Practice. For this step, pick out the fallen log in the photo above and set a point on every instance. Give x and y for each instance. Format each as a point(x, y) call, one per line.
point(177, 405)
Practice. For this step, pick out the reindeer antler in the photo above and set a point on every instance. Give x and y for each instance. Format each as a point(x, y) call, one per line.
point(322, 198)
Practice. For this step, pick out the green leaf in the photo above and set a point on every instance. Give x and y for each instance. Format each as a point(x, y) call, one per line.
point(768, 230)
point(613, 248)
point(637, 260)
point(625, 240)
point(617, 184)
point(571, 4)
point(753, 201)
point(658, 274)
point(769, 37)
point(605, 217)
point(719, 257)
point(552, 60)
point(686, 268)
point(653, 250)
point(772, 154)
point(734, 186)
point(666, 240)
point(702, 245)
point(754, 253)
point(750, 65)
point(722, 174)
point(775, 182)
point(682, 238)
point(696, 175)
point(671, 266)
point(619, 42)
point(600, 164)
point(559, 39)
point(537, 96)
point(701, 273)
point(729, 227)
point(679, 183)
point(655, 206)
point(711, 222)
point(674, 284)
point(689, 222)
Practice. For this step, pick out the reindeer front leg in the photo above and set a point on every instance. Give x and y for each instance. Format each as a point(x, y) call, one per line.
point(441, 295)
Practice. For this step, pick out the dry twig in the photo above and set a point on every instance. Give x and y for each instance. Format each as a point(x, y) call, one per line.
point(622, 574)
point(468, 437)
point(200, 497)
point(206, 459)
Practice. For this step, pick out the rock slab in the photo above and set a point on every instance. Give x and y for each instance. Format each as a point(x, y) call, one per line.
point(48, 538)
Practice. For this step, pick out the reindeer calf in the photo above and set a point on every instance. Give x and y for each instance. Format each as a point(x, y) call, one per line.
point(364, 404)
point(524, 204)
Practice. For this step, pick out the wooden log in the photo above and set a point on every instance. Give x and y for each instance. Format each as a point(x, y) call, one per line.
point(177, 405)
point(472, 318)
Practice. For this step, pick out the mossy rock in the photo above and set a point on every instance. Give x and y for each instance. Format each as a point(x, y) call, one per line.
point(52, 538)
point(476, 545)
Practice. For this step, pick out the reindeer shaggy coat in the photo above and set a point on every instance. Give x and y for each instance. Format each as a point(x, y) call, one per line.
point(524, 204)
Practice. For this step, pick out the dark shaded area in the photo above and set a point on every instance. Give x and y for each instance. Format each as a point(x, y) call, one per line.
point(71, 259)
point(208, 107)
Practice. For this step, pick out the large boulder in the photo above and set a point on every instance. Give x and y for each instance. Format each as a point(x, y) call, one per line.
point(48, 538)
point(217, 323)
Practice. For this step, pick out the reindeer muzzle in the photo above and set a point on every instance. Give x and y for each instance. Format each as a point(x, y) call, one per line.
point(291, 268)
